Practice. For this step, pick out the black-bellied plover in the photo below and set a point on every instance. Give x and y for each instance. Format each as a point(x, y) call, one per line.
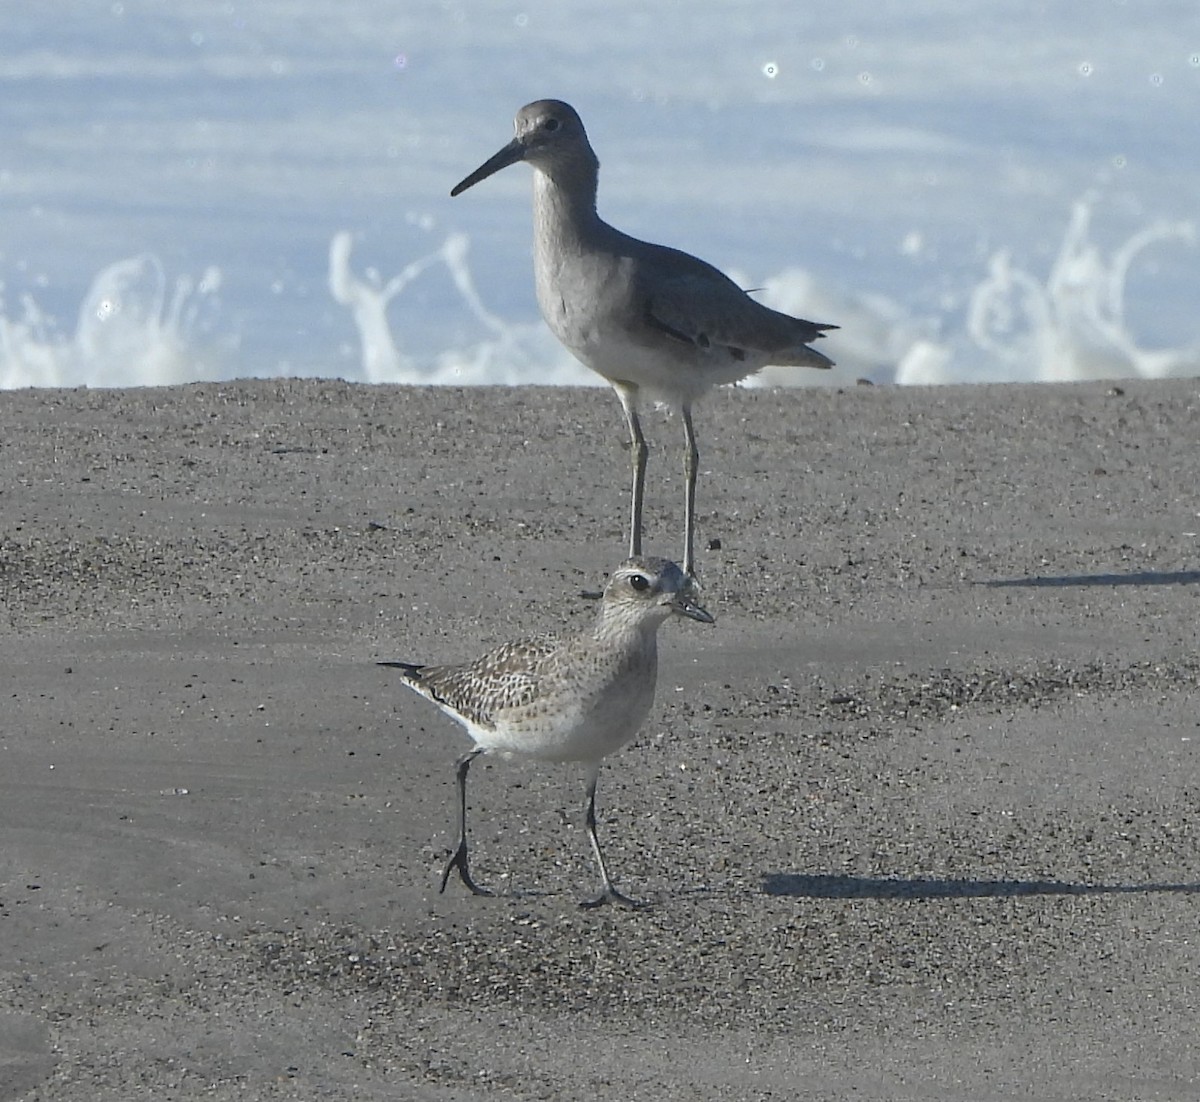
point(570, 698)
point(649, 319)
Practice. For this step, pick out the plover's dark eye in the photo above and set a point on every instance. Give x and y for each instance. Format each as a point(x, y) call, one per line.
point(551, 124)
point(640, 582)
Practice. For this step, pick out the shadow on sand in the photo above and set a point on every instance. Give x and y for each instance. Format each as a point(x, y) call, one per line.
point(866, 887)
point(1064, 581)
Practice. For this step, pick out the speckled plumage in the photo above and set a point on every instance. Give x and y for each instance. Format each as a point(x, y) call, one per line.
point(572, 697)
point(649, 319)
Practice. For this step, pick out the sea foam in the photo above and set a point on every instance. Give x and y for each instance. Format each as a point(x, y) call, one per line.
point(137, 328)
point(131, 331)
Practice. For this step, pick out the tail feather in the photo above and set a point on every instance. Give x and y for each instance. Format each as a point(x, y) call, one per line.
point(413, 670)
point(796, 351)
point(802, 356)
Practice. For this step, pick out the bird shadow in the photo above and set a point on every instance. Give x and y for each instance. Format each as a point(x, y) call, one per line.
point(807, 886)
point(1066, 581)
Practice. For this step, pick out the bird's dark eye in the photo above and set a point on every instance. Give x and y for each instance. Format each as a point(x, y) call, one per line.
point(640, 582)
point(551, 124)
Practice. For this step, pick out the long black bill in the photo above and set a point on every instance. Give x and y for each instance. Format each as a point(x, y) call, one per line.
point(509, 155)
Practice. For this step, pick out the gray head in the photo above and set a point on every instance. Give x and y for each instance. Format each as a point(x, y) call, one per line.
point(550, 136)
point(645, 589)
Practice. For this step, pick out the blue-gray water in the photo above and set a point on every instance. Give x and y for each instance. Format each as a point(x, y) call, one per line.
point(971, 190)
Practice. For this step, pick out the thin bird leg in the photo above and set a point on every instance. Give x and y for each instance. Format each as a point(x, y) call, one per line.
point(459, 860)
point(691, 457)
point(639, 452)
point(610, 894)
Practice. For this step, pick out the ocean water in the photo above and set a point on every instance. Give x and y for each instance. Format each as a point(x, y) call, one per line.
point(973, 191)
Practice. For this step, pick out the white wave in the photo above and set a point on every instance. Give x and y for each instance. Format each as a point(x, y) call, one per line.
point(513, 354)
point(134, 329)
point(128, 333)
point(1017, 328)
point(1070, 326)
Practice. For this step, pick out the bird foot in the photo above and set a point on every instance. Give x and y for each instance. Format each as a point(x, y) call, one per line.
point(611, 895)
point(459, 861)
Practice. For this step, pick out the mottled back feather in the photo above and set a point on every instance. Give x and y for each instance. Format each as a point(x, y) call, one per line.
point(505, 678)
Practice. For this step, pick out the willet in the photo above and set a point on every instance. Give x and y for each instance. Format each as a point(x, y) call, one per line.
point(577, 697)
point(649, 319)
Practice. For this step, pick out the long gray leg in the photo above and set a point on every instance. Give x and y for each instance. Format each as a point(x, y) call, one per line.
point(610, 894)
point(691, 458)
point(459, 860)
point(638, 452)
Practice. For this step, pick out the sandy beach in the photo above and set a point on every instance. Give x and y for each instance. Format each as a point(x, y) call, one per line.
point(918, 818)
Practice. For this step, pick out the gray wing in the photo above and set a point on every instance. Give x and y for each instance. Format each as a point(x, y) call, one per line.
point(691, 301)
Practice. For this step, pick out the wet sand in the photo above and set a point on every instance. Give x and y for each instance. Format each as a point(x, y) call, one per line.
point(918, 818)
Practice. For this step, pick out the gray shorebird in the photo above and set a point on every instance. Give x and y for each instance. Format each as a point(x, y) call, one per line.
point(651, 320)
point(571, 698)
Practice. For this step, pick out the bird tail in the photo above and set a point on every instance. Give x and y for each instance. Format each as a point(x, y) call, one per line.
point(802, 356)
point(410, 668)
